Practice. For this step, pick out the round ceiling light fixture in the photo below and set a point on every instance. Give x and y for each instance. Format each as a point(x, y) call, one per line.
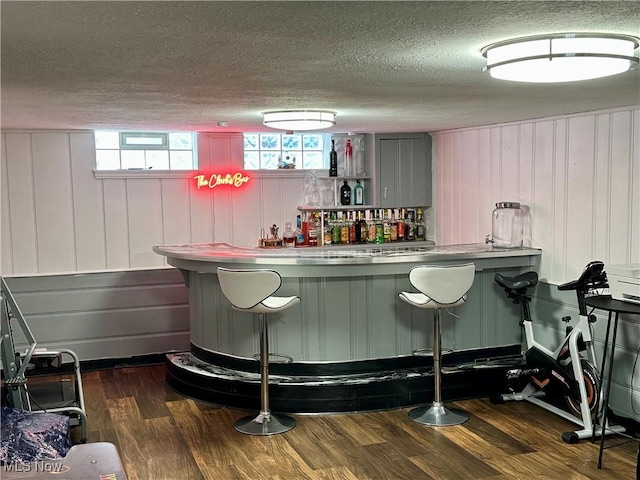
point(299, 119)
point(561, 57)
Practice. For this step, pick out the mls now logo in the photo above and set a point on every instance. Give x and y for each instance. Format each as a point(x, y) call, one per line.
point(36, 467)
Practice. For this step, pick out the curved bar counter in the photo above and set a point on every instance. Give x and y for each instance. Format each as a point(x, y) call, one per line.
point(349, 329)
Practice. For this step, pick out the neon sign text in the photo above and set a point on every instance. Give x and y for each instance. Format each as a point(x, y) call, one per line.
point(235, 179)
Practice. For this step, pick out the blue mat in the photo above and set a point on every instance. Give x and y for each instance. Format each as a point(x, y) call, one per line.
point(30, 437)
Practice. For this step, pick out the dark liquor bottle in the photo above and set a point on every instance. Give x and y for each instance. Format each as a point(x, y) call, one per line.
point(333, 160)
point(345, 194)
point(362, 228)
point(420, 227)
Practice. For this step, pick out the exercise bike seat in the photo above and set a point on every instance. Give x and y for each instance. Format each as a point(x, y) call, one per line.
point(593, 276)
point(519, 282)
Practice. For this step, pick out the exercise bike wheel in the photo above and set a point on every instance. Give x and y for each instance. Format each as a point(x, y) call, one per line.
point(592, 383)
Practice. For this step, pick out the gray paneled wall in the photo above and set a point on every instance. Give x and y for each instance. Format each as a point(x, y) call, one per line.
point(351, 318)
point(106, 315)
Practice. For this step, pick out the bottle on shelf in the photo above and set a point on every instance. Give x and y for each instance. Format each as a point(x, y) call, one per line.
point(362, 231)
point(358, 194)
point(401, 225)
point(313, 230)
point(379, 238)
point(393, 226)
point(335, 229)
point(371, 226)
point(386, 226)
point(348, 159)
point(300, 235)
point(344, 229)
point(410, 227)
point(288, 236)
point(327, 230)
point(333, 160)
point(353, 228)
point(420, 227)
point(345, 194)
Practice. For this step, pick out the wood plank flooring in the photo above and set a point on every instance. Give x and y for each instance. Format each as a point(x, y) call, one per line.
point(163, 435)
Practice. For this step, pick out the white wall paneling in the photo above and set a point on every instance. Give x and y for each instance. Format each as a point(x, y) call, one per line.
point(578, 175)
point(20, 222)
point(57, 217)
point(88, 207)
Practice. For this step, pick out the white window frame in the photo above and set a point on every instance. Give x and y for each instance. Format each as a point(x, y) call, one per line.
point(324, 152)
point(124, 144)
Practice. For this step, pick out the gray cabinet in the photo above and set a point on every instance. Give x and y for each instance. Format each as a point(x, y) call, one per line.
point(402, 169)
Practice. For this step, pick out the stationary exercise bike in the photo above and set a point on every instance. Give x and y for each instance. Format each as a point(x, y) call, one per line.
point(567, 373)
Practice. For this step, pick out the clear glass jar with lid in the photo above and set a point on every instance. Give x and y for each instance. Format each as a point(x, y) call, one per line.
point(507, 226)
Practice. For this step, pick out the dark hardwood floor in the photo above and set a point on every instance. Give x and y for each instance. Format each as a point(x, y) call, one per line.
point(163, 435)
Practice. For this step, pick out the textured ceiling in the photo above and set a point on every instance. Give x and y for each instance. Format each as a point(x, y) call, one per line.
point(382, 66)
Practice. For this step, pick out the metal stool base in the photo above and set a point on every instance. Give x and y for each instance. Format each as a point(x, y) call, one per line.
point(264, 424)
point(437, 415)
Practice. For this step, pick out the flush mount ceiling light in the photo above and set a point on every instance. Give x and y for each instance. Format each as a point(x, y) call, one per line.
point(299, 119)
point(561, 57)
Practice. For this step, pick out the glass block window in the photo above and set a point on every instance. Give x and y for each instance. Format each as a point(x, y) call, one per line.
point(271, 151)
point(146, 150)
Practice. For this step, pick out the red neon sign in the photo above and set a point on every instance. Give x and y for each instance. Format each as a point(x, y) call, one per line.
point(215, 179)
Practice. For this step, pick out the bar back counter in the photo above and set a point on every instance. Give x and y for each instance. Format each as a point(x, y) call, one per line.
point(355, 345)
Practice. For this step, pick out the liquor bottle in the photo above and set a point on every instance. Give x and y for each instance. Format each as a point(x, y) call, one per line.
point(333, 160)
point(371, 225)
point(327, 230)
point(410, 226)
point(401, 225)
point(344, 229)
point(362, 228)
point(386, 226)
point(300, 239)
point(393, 226)
point(288, 236)
point(348, 159)
point(352, 227)
point(420, 228)
point(314, 229)
point(345, 194)
point(358, 194)
point(379, 228)
point(335, 229)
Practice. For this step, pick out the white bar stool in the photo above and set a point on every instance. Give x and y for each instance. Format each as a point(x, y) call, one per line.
point(251, 291)
point(440, 287)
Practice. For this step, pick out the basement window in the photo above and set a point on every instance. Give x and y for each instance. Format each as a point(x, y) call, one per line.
point(134, 151)
point(275, 151)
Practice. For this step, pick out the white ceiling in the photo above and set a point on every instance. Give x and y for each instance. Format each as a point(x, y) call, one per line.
point(382, 66)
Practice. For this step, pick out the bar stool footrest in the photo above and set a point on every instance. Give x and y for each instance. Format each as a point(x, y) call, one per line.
point(275, 358)
point(428, 352)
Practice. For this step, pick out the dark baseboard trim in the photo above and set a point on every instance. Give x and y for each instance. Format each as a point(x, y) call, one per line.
point(103, 364)
point(340, 387)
